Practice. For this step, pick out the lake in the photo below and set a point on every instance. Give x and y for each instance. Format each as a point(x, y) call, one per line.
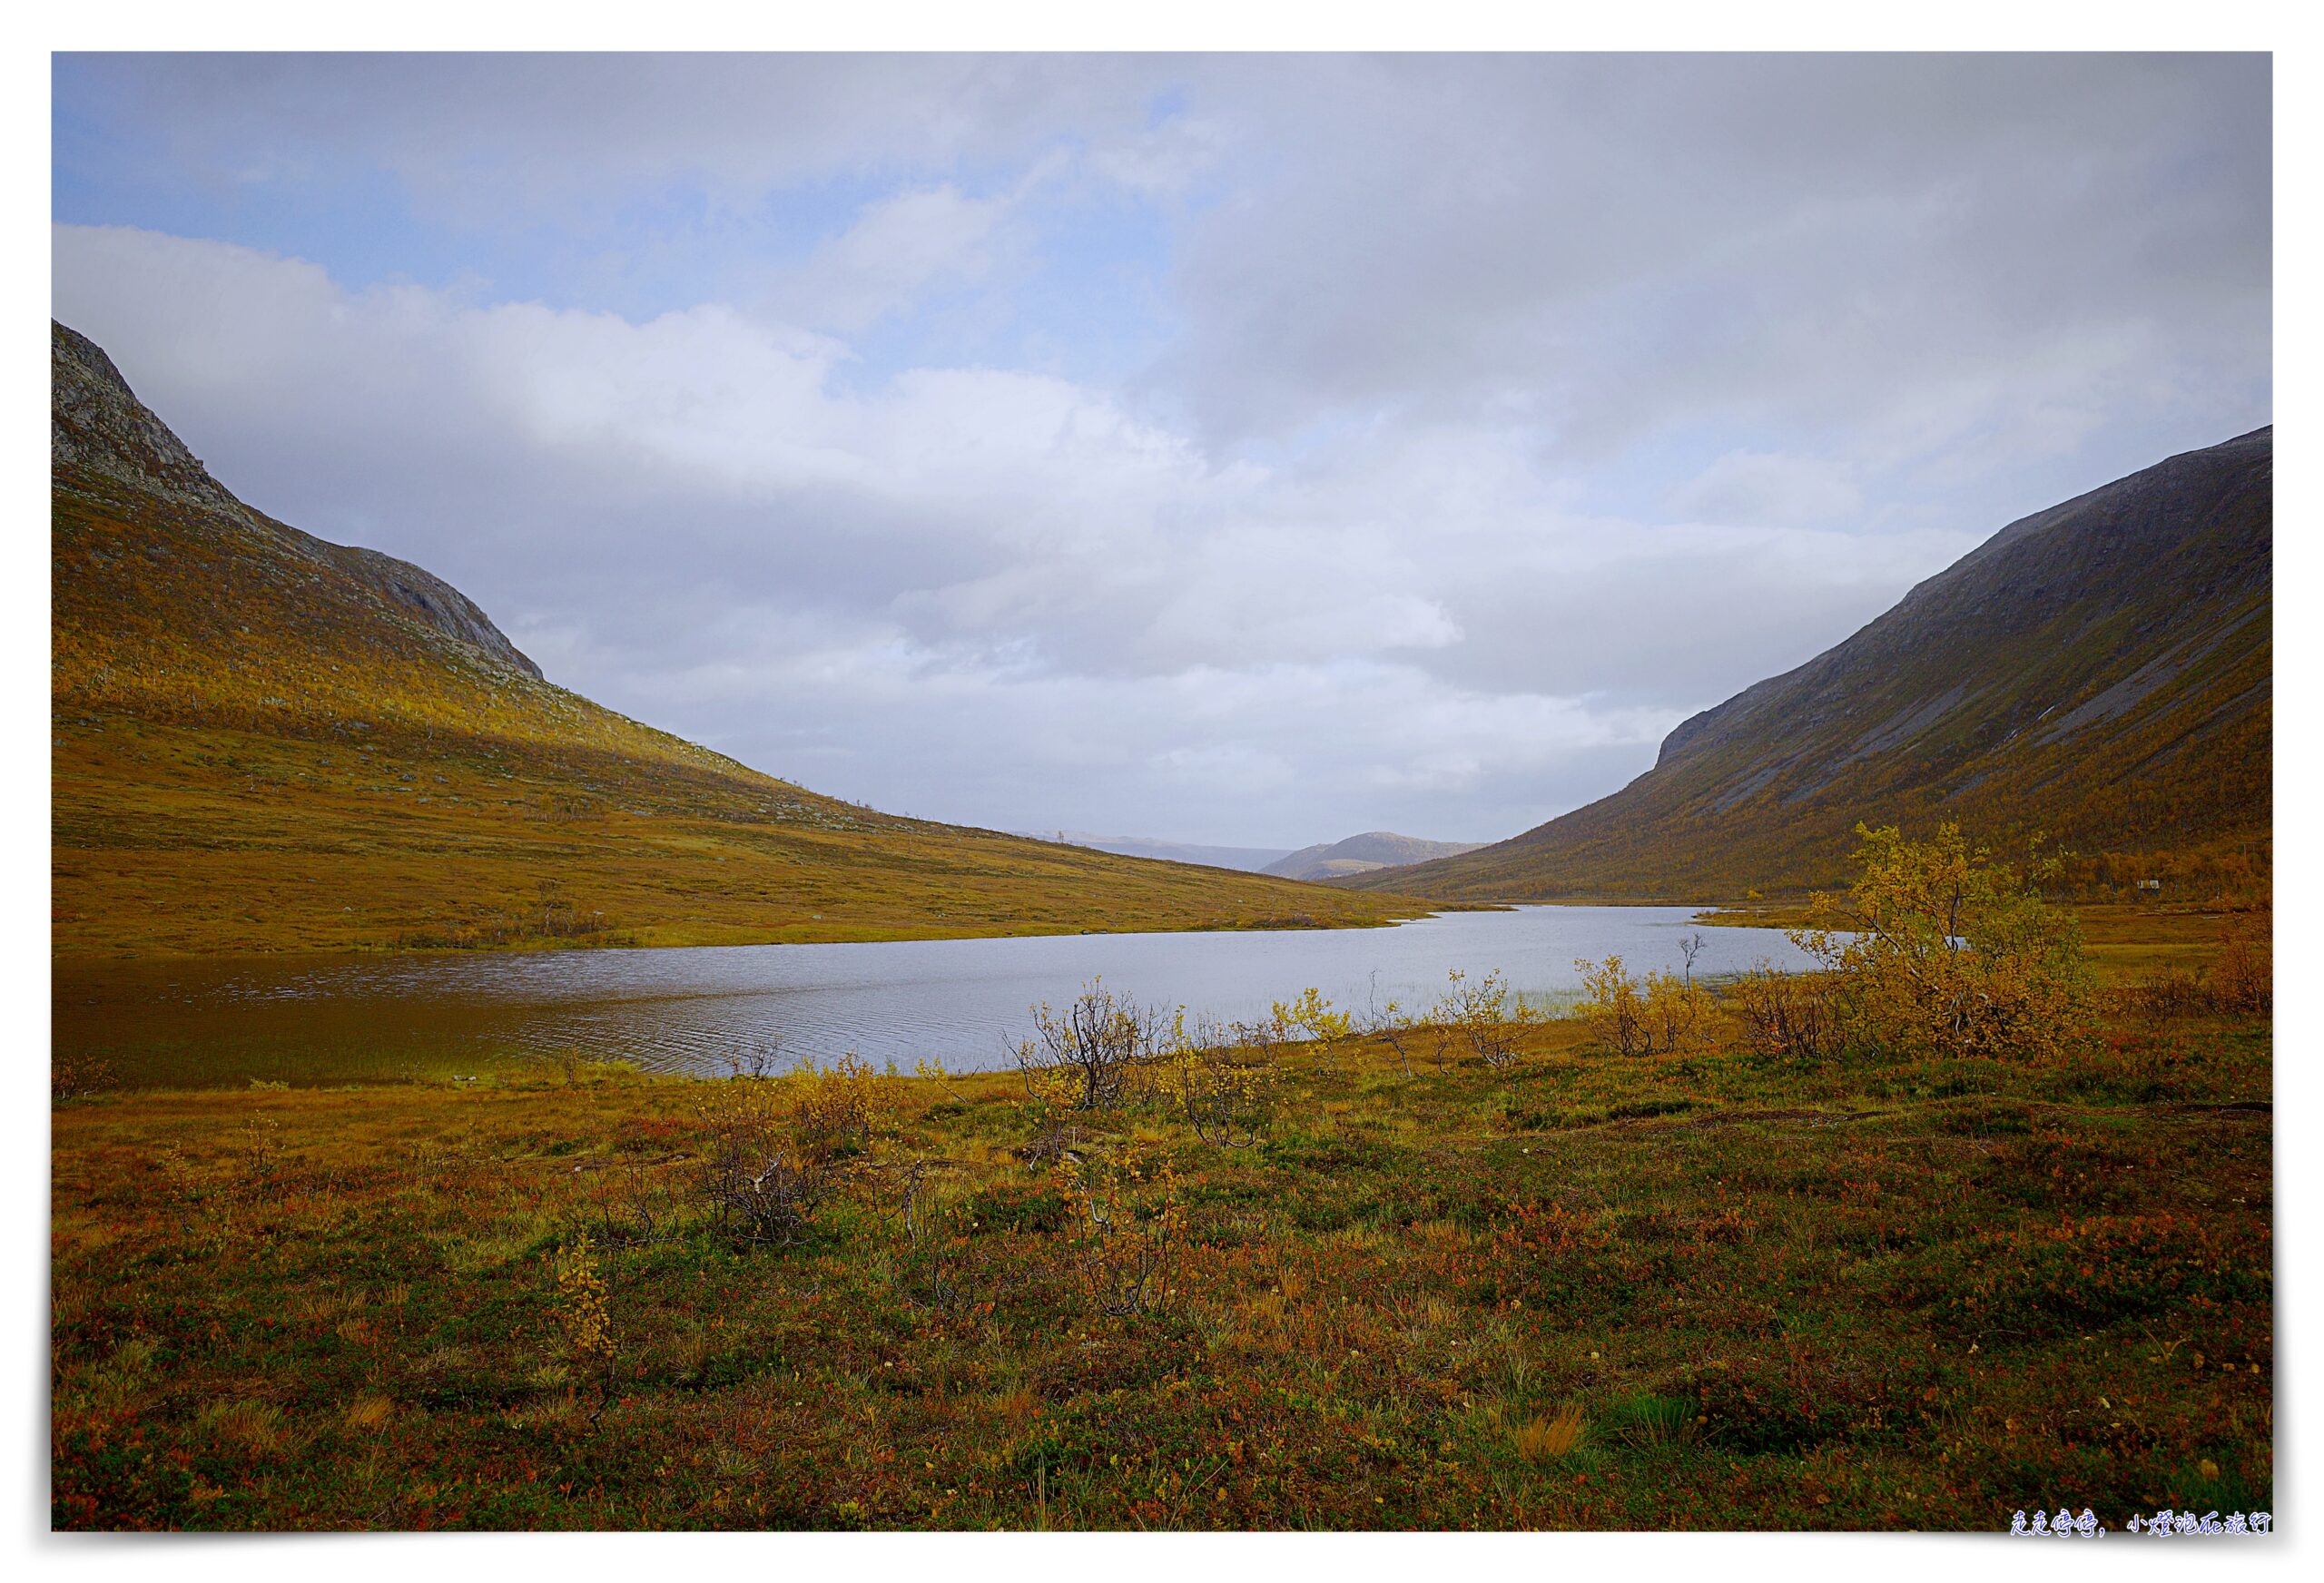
point(964, 1002)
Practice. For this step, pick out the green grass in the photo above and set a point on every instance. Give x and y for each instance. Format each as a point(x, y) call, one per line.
point(1922, 1295)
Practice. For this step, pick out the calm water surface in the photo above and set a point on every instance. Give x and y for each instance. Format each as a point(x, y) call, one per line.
point(964, 1002)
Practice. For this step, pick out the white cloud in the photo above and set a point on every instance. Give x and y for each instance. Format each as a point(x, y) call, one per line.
point(899, 248)
point(1763, 486)
point(959, 590)
point(1468, 421)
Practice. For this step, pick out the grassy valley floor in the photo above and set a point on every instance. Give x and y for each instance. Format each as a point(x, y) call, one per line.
point(1578, 1291)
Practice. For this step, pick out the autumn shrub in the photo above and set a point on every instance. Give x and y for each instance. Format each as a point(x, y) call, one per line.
point(1680, 1015)
point(1613, 1006)
point(77, 1074)
point(1387, 1023)
point(2245, 978)
point(2170, 991)
point(1127, 1227)
point(2240, 983)
point(1662, 1015)
point(1941, 947)
point(742, 1142)
point(1053, 1115)
point(1225, 1081)
point(583, 1316)
point(628, 1203)
point(841, 1109)
point(1482, 1018)
point(1096, 1046)
point(774, 1149)
point(1788, 1016)
point(259, 1156)
point(1311, 1024)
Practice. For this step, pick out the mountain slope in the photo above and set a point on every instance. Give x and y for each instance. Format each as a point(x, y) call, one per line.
point(1362, 854)
point(2101, 671)
point(260, 740)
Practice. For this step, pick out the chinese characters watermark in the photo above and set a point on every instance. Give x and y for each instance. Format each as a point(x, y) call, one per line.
point(2163, 1524)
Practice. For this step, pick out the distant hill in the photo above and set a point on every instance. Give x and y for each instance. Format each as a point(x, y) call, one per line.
point(1245, 860)
point(264, 742)
point(2101, 671)
point(1362, 854)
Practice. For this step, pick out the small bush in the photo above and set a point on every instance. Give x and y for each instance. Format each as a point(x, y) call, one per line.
point(755, 1180)
point(1665, 1014)
point(1128, 1228)
point(1483, 1018)
point(1225, 1081)
point(2242, 983)
point(1310, 1023)
point(841, 1109)
point(1788, 1016)
point(1613, 1007)
point(1091, 1048)
point(776, 1147)
point(77, 1074)
point(1680, 1013)
point(2169, 992)
point(2245, 983)
point(582, 1314)
point(1942, 949)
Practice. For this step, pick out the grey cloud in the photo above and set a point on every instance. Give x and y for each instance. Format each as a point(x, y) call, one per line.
point(1515, 408)
point(1767, 487)
point(1635, 243)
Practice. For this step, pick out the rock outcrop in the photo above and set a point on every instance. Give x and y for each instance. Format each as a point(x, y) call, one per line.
point(98, 426)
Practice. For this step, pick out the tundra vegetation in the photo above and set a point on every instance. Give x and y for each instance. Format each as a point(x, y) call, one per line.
point(1950, 1229)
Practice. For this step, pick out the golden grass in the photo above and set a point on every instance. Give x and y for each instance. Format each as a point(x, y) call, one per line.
point(371, 1412)
point(1545, 1440)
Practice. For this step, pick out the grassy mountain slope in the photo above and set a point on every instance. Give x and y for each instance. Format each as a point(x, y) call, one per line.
point(2101, 672)
point(264, 742)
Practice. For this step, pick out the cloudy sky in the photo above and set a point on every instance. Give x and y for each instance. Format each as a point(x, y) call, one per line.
point(1248, 449)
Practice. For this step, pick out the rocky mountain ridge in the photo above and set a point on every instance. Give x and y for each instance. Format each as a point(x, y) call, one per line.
point(97, 425)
